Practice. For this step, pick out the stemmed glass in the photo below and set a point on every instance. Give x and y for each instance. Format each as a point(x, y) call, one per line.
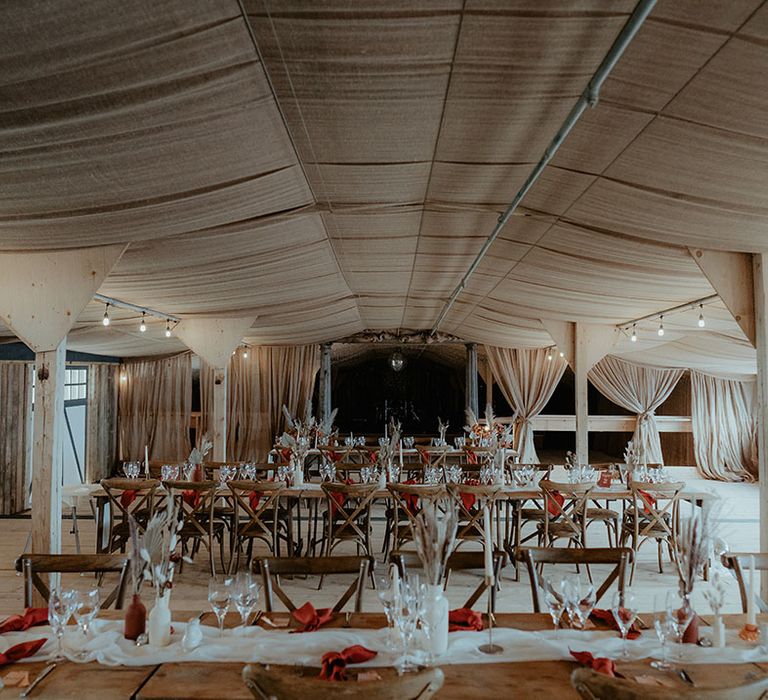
point(624, 608)
point(407, 618)
point(219, 597)
point(61, 605)
point(554, 596)
point(665, 629)
point(680, 614)
point(245, 595)
point(385, 589)
point(579, 600)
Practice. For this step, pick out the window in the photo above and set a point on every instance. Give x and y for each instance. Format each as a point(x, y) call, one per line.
point(75, 384)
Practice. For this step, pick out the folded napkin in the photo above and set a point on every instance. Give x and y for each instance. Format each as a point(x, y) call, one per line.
point(335, 662)
point(552, 506)
point(471, 456)
point(21, 651)
point(599, 664)
point(469, 499)
point(310, 619)
point(607, 617)
point(465, 619)
point(253, 499)
point(127, 497)
point(648, 501)
point(30, 618)
point(191, 498)
point(334, 456)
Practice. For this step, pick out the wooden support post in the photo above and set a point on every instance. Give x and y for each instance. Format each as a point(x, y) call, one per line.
point(581, 386)
point(472, 398)
point(324, 387)
point(488, 379)
point(219, 418)
point(47, 449)
point(760, 276)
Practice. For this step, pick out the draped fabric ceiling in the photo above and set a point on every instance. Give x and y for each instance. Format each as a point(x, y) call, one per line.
point(335, 166)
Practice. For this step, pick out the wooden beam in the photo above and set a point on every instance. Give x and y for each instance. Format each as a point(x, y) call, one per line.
point(731, 275)
point(219, 417)
point(488, 378)
point(472, 398)
point(324, 379)
point(760, 278)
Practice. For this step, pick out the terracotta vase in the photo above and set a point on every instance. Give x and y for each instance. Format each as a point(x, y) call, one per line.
point(198, 473)
point(691, 634)
point(135, 618)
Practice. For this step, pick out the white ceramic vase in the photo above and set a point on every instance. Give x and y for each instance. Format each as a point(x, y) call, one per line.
point(436, 616)
point(159, 621)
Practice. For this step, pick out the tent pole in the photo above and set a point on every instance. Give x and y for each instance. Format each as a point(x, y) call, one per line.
point(760, 277)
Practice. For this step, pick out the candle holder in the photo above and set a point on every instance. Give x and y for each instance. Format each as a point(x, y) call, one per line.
point(749, 633)
point(490, 647)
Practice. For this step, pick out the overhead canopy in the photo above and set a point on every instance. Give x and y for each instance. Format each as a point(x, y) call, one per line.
point(333, 167)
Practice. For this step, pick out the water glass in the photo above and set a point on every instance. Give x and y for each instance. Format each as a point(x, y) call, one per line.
point(131, 470)
point(431, 475)
point(169, 472)
point(383, 441)
point(247, 472)
point(409, 442)
point(388, 596)
point(349, 441)
point(219, 593)
point(580, 600)
point(624, 608)
point(460, 442)
point(393, 473)
point(665, 630)
point(453, 474)
point(226, 473)
point(86, 607)
point(61, 605)
point(679, 613)
point(245, 595)
point(284, 473)
point(327, 471)
point(554, 597)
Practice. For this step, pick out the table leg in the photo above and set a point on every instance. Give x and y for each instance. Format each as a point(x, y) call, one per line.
point(102, 505)
point(75, 530)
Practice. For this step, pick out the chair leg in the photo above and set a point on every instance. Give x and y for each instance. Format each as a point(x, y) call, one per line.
point(661, 566)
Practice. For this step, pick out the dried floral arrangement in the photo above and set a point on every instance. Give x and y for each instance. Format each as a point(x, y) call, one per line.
point(693, 545)
point(388, 451)
point(633, 455)
point(501, 434)
point(442, 429)
point(435, 537)
point(199, 452)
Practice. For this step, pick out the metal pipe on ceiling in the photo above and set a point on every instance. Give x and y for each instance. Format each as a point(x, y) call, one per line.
point(120, 304)
point(588, 98)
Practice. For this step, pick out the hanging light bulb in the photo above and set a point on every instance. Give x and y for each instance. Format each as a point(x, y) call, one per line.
point(549, 354)
point(562, 354)
point(661, 326)
point(245, 353)
point(633, 337)
point(105, 320)
point(142, 325)
point(167, 328)
point(702, 322)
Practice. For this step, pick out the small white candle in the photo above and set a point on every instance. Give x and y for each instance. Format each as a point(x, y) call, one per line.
point(488, 544)
point(395, 579)
point(146, 460)
point(718, 633)
point(386, 431)
point(401, 454)
point(751, 615)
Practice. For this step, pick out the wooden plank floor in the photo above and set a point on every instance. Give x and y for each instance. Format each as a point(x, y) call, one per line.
point(739, 527)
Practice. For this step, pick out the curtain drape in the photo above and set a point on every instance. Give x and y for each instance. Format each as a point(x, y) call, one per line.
point(257, 388)
point(723, 413)
point(527, 379)
point(101, 428)
point(15, 379)
point(641, 389)
point(154, 408)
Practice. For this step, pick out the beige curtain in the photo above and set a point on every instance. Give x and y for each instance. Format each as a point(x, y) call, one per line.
point(527, 379)
point(723, 412)
point(641, 389)
point(15, 379)
point(257, 388)
point(154, 407)
point(101, 423)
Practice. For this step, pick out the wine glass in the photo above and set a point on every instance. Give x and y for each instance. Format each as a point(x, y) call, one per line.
point(407, 618)
point(680, 613)
point(61, 604)
point(219, 598)
point(554, 597)
point(624, 608)
point(665, 630)
point(86, 608)
point(579, 601)
point(386, 590)
point(245, 595)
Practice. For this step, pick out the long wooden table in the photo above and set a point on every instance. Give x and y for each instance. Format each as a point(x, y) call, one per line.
point(539, 679)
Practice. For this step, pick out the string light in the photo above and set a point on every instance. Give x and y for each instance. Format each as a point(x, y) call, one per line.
point(702, 322)
point(562, 354)
point(142, 325)
point(167, 328)
point(549, 354)
point(105, 320)
point(661, 326)
point(633, 337)
point(245, 353)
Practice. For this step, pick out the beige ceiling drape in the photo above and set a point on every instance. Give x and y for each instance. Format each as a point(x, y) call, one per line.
point(154, 408)
point(641, 389)
point(257, 388)
point(723, 413)
point(527, 379)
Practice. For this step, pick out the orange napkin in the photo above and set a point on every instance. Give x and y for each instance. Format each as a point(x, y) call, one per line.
point(335, 662)
point(253, 499)
point(191, 498)
point(551, 507)
point(424, 456)
point(607, 617)
point(310, 619)
point(599, 664)
point(648, 500)
point(21, 651)
point(465, 619)
point(471, 456)
point(127, 497)
point(30, 618)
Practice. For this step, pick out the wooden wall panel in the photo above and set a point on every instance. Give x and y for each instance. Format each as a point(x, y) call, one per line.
point(15, 378)
point(101, 427)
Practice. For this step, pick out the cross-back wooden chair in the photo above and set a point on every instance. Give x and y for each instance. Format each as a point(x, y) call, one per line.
point(653, 514)
point(272, 568)
point(734, 561)
point(302, 683)
point(535, 557)
point(458, 561)
point(469, 500)
point(128, 497)
point(592, 685)
point(34, 566)
point(256, 517)
point(407, 501)
point(195, 503)
point(564, 512)
point(348, 518)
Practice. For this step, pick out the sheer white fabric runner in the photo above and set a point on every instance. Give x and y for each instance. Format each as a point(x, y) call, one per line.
point(108, 647)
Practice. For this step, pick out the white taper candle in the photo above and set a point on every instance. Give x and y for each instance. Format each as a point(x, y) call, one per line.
point(751, 616)
point(488, 544)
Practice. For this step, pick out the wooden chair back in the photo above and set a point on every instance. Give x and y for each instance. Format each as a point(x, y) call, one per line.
point(592, 685)
point(302, 683)
point(144, 501)
point(272, 568)
point(571, 511)
point(534, 557)
point(256, 524)
point(471, 518)
point(349, 511)
point(734, 561)
point(422, 492)
point(195, 502)
point(33, 566)
point(406, 561)
point(655, 508)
